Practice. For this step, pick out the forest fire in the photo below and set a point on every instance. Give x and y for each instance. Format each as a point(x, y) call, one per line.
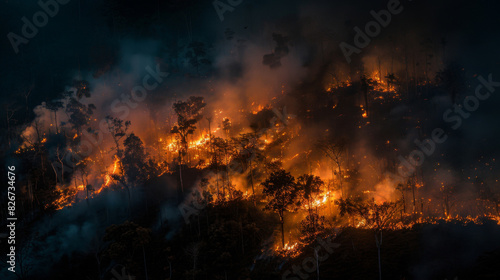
point(291, 141)
point(111, 171)
point(288, 251)
point(217, 148)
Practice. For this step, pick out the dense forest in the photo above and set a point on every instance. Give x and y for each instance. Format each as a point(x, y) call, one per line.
point(242, 140)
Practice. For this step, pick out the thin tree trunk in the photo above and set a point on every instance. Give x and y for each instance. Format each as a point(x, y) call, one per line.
point(413, 192)
point(55, 120)
point(242, 240)
point(283, 230)
point(379, 244)
point(180, 178)
point(144, 259)
point(251, 181)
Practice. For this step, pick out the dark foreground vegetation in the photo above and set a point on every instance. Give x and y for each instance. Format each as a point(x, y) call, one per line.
point(235, 241)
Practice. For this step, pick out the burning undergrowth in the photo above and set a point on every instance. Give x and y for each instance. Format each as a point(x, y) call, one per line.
point(303, 138)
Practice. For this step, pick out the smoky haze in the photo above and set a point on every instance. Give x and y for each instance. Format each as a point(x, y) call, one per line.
point(270, 53)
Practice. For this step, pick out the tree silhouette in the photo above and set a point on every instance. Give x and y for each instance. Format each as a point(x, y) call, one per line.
point(54, 106)
point(248, 152)
point(335, 152)
point(197, 55)
point(309, 188)
point(391, 80)
point(282, 189)
point(82, 88)
point(125, 240)
point(366, 86)
point(375, 216)
point(452, 78)
point(79, 114)
point(188, 114)
point(118, 129)
point(134, 160)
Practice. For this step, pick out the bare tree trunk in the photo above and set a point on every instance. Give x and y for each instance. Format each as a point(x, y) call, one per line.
point(340, 180)
point(180, 177)
point(55, 120)
point(413, 192)
point(144, 259)
point(55, 172)
point(170, 268)
point(242, 240)
point(251, 181)
point(317, 262)
point(379, 244)
point(283, 229)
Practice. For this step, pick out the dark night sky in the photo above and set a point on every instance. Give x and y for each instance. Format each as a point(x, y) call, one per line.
point(88, 37)
point(94, 37)
point(87, 34)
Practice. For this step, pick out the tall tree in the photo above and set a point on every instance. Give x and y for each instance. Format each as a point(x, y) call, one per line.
point(282, 190)
point(335, 152)
point(248, 152)
point(118, 129)
point(366, 86)
point(125, 240)
point(134, 160)
point(375, 216)
point(452, 78)
point(309, 188)
point(188, 113)
point(54, 106)
point(219, 162)
point(197, 55)
point(391, 80)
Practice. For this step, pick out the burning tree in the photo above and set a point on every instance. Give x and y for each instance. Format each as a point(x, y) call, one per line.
point(219, 161)
point(335, 152)
point(82, 88)
point(486, 195)
point(188, 114)
point(54, 106)
point(373, 215)
point(118, 129)
point(447, 192)
point(309, 188)
point(402, 188)
point(367, 85)
point(282, 189)
point(391, 80)
point(248, 151)
point(79, 114)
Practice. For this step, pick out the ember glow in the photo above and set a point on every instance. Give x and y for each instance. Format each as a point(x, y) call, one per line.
point(148, 137)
